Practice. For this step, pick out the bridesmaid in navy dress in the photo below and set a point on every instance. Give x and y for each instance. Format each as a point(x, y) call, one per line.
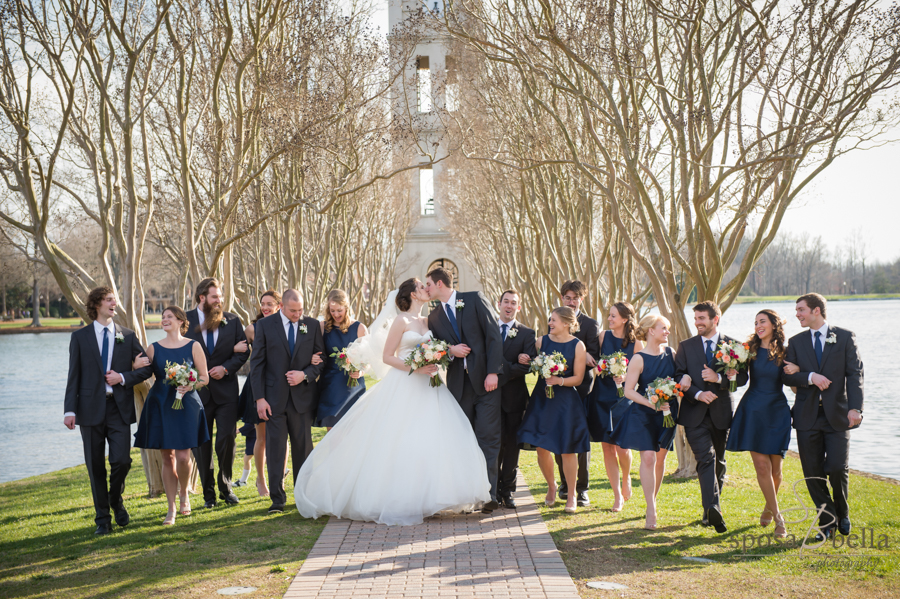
point(339, 331)
point(174, 432)
point(558, 425)
point(605, 407)
point(762, 421)
point(641, 427)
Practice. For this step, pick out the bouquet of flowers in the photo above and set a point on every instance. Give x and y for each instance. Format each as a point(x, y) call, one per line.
point(180, 375)
point(547, 366)
point(731, 357)
point(431, 351)
point(664, 390)
point(347, 361)
point(615, 364)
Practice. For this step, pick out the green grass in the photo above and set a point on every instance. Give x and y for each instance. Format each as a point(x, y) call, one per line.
point(597, 544)
point(48, 549)
point(771, 299)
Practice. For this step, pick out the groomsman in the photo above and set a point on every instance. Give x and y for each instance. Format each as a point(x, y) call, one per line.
point(100, 400)
point(829, 403)
point(572, 294)
point(285, 383)
point(517, 340)
point(217, 332)
point(707, 407)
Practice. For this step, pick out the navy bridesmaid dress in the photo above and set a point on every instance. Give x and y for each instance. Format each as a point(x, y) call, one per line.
point(604, 406)
point(762, 421)
point(161, 426)
point(559, 423)
point(641, 427)
point(335, 396)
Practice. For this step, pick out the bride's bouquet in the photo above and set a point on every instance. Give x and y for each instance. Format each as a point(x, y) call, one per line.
point(430, 351)
point(180, 375)
point(731, 357)
point(547, 366)
point(615, 364)
point(347, 360)
point(664, 390)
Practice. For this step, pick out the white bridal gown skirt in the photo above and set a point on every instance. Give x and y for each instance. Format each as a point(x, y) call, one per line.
point(403, 452)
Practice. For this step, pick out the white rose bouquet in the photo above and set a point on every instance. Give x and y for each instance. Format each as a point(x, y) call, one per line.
point(731, 357)
point(431, 351)
point(180, 375)
point(615, 364)
point(549, 365)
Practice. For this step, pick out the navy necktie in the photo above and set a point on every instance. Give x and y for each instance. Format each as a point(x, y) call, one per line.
point(291, 337)
point(210, 340)
point(452, 318)
point(818, 346)
point(104, 353)
point(505, 327)
point(709, 351)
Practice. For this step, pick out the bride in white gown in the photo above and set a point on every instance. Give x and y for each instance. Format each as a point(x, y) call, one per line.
point(405, 450)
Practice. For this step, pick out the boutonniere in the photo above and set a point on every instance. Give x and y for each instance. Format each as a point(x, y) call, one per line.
point(120, 338)
point(832, 338)
point(511, 334)
point(460, 304)
point(223, 322)
point(302, 329)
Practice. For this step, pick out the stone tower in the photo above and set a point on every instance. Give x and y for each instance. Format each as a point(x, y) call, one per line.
point(427, 244)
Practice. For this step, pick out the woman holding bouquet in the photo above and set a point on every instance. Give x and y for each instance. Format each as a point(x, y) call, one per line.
point(165, 425)
point(762, 421)
point(641, 426)
point(336, 395)
point(558, 424)
point(604, 406)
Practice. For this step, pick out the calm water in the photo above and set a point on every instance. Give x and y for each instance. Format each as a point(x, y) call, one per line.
point(33, 370)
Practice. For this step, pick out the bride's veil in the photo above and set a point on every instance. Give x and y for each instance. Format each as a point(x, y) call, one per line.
point(369, 350)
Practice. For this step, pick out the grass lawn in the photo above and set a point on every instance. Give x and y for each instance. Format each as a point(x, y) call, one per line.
point(756, 299)
point(597, 544)
point(48, 549)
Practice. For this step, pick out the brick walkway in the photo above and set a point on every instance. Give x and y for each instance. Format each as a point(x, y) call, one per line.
point(506, 554)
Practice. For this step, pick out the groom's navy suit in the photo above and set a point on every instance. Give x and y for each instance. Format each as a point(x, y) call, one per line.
point(476, 326)
point(820, 417)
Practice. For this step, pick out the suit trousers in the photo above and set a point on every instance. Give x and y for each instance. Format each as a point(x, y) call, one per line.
point(708, 444)
point(297, 427)
point(484, 412)
point(117, 433)
point(825, 453)
point(225, 417)
point(509, 451)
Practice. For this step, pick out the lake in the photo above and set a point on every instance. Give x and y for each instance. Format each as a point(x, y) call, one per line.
point(33, 380)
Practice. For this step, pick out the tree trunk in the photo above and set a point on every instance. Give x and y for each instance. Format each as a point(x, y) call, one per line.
point(35, 305)
point(4, 299)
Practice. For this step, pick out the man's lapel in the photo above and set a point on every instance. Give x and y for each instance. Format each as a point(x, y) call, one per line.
point(115, 344)
point(283, 336)
point(806, 347)
point(446, 320)
point(700, 350)
point(826, 347)
point(95, 347)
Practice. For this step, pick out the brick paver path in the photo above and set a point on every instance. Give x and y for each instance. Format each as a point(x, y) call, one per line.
point(506, 554)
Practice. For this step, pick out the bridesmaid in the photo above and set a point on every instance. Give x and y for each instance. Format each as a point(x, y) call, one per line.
point(269, 303)
point(558, 425)
point(174, 432)
point(762, 421)
point(339, 330)
point(605, 407)
point(641, 426)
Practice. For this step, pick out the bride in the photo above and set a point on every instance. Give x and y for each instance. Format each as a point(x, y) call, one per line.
point(405, 450)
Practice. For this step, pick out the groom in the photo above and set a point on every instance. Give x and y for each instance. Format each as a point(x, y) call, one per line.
point(467, 323)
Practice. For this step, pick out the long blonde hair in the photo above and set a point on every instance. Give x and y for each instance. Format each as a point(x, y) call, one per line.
point(337, 296)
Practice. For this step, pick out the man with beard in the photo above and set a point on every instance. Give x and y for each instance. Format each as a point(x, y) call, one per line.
point(218, 332)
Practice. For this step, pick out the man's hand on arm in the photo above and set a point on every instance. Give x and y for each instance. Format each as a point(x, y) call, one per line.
point(460, 351)
point(217, 372)
point(710, 375)
point(295, 377)
point(114, 378)
point(819, 381)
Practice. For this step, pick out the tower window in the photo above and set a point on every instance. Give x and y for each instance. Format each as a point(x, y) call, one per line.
point(451, 93)
point(423, 84)
point(426, 190)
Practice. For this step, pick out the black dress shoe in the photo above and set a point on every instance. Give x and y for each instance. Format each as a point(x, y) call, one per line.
point(209, 504)
point(508, 502)
point(122, 518)
point(230, 499)
point(704, 523)
point(844, 526)
point(563, 492)
point(582, 500)
point(103, 529)
point(714, 516)
point(276, 509)
point(823, 535)
point(490, 506)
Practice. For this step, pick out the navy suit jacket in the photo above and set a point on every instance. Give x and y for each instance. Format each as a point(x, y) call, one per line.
point(226, 389)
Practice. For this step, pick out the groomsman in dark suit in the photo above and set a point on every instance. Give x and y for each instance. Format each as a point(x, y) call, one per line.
point(517, 340)
point(285, 383)
point(829, 403)
point(707, 407)
point(572, 294)
point(217, 332)
point(100, 400)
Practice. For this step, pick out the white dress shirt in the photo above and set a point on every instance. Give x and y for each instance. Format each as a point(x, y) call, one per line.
point(201, 317)
point(287, 324)
point(812, 336)
point(509, 326)
point(715, 345)
point(111, 340)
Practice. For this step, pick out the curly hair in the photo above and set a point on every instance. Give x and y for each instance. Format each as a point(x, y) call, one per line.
point(405, 292)
point(777, 348)
point(179, 314)
point(94, 299)
point(337, 296)
point(627, 312)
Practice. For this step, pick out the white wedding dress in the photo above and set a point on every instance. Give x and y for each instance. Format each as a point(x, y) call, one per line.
point(403, 452)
